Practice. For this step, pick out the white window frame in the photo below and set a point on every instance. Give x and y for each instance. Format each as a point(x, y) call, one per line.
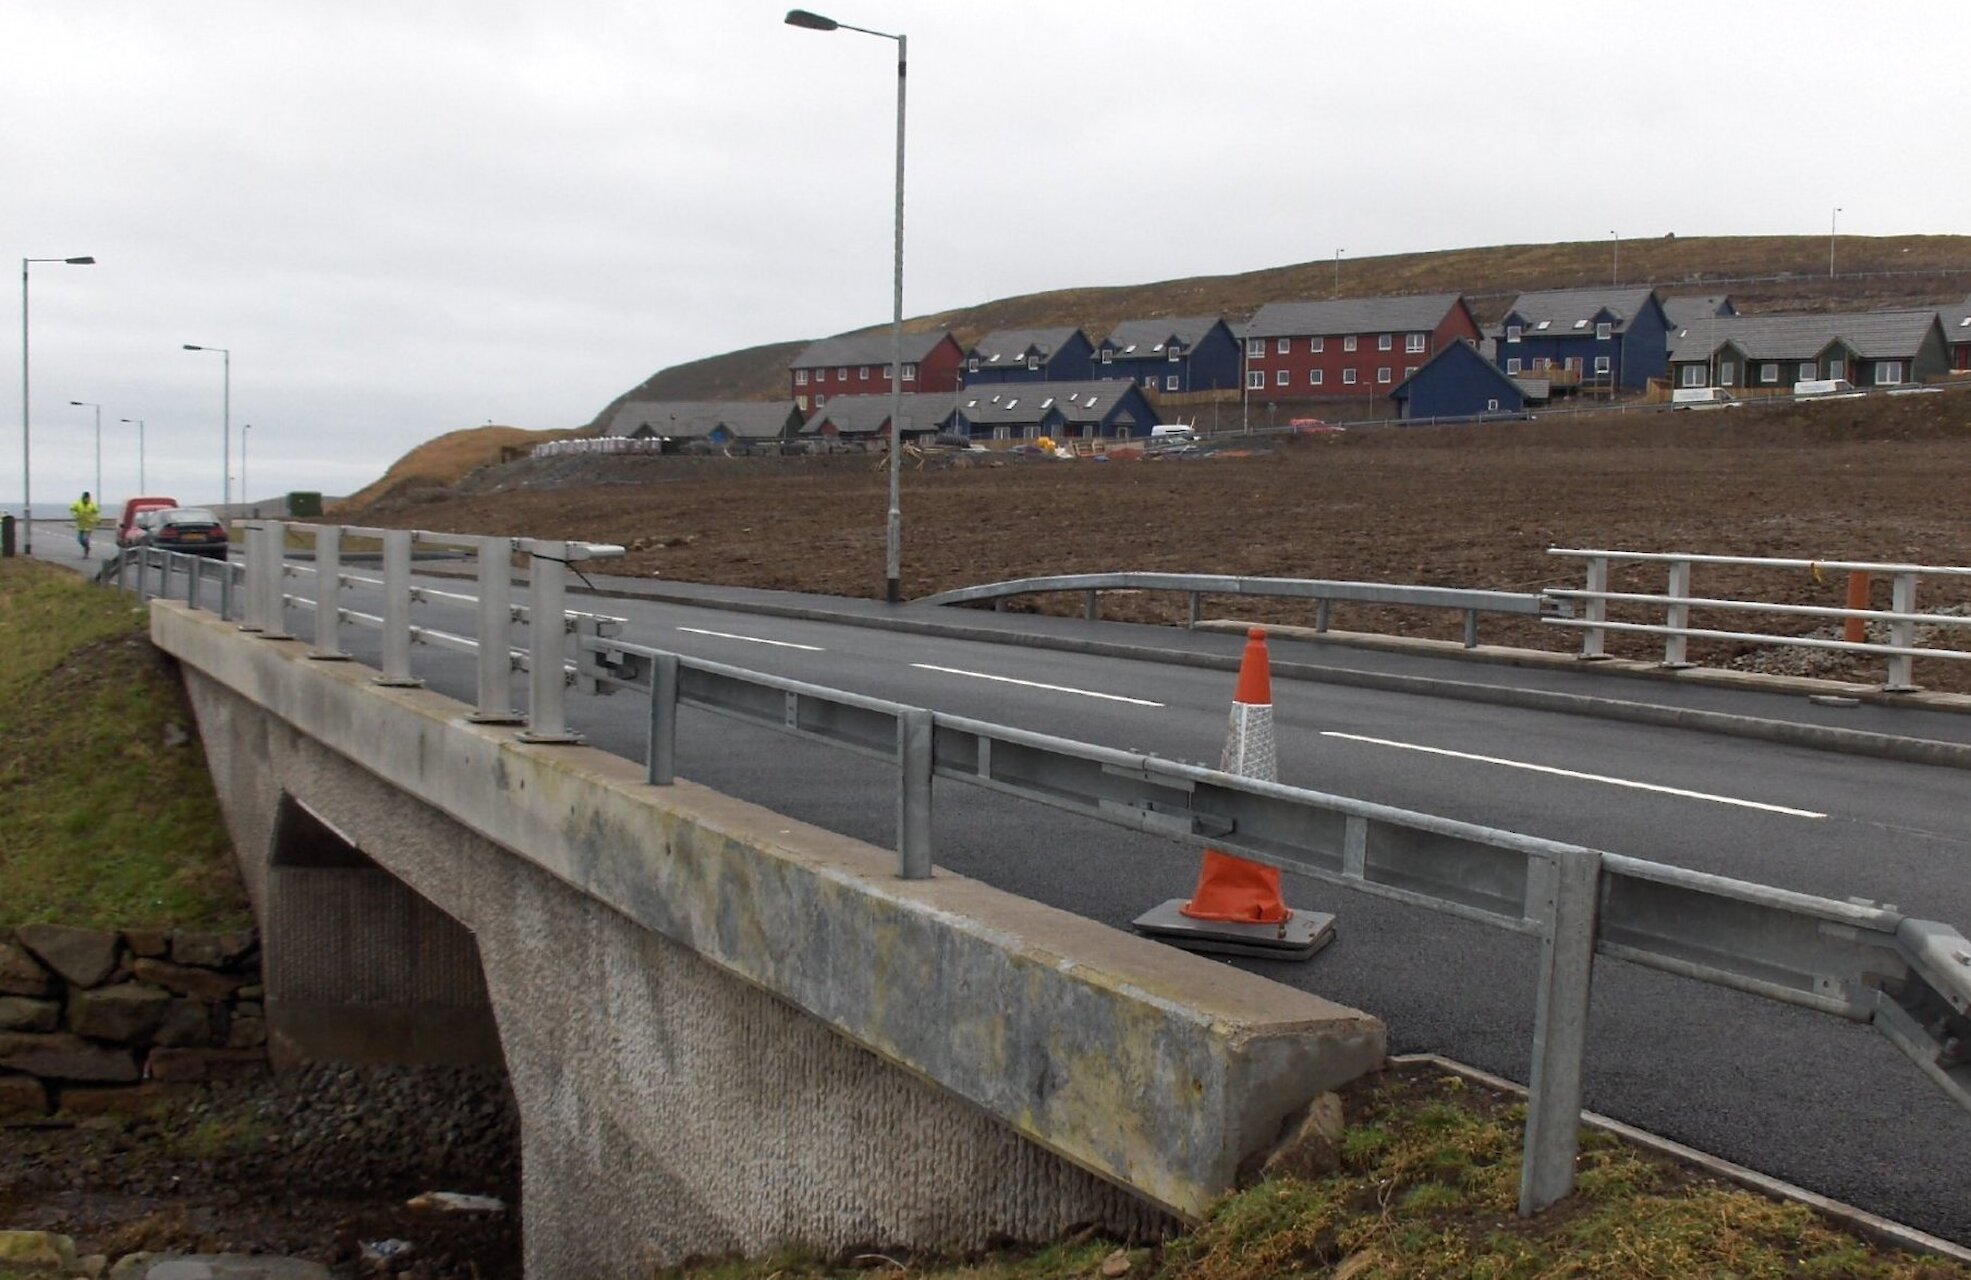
point(1413, 343)
point(1281, 377)
point(1315, 346)
point(1512, 333)
point(1512, 365)
point(1348, 342)
point(1727, 373)
point(1604, 331)
point(910, 371)
point(802, 401)
point(1492, 406)
point(1382, 375)
point(1313, 377)
point(1385, 341)
point(972, 365)
point(1693, 375)
point(1768, 372)
point(1033, 362)
point(1888, 372)
point(1409, 372)
point(1108, 355)
point(1601, 364)
point(800, 377)
point(1170, 382)
point(1282, 346)
point(1808, 371)
point(1348, 377)
point(1255, 380)
point(842, 373)
point(1255, 347)
point(1175, 353)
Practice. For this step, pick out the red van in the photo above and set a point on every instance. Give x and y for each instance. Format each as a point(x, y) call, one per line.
point(127, 532)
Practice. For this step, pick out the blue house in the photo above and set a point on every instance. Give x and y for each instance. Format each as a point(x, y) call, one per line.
point(1029, 355)
point(1060, 410)
point(1600, 338)
point(1175, 353)
point(1458, 382)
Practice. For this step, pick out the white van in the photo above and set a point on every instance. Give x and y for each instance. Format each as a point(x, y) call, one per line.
point(1173, 433)
point(1702, 398)
point(1826, 389)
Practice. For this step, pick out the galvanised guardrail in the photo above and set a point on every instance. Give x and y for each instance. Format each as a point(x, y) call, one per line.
point(1910, 979)
point(1324, 593)
point(1901, 617)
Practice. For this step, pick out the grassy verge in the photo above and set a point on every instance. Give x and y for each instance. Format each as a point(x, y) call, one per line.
point(107, 813)
point(1427, 1187)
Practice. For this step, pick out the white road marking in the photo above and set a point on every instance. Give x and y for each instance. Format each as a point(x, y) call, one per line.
point(1034, 684)
point(778, 644)
point(1580, 777)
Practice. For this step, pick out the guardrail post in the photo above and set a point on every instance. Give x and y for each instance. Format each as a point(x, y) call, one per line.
point(496, 633)
point(1471, 628)
point(915, 730)
point(143, 571)
point(1678, 616)
point(1089, 605)
point(1560, 1028)
point(273, 582)
point(226, 590)
point(546, 626)
point(1322, 609)
point(122, 565)
point(1902, 634)
point(328, 594)
point(1597, 609)
point(195, 576)
point(397, 611)
point(250, 578)
point(1192, 613)
point(661, 748)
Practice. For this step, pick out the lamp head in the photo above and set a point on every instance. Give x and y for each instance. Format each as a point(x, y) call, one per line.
point(80, 262)
point(812, 21)
point(193, 347)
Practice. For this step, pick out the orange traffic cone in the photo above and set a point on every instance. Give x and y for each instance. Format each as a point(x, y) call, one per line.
point(1231, 888)
point(1237, 907)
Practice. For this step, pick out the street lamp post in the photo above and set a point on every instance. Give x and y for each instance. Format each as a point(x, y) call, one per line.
point(27, 483)
point(893, 560)
point(141, 486)
point(1338, 253)
point(1833, 221)
point(245, 427)
point(90, 404)
point(226, 425)
point(1615, 261)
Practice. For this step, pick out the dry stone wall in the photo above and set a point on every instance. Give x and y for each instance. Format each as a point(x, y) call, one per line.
point(103, 1019)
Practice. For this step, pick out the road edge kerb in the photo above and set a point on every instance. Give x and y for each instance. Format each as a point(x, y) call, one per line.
point(1858, 742)
point(1873, 1226)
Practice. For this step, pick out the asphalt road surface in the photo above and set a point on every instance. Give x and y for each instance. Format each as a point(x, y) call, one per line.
point(1805, 1097)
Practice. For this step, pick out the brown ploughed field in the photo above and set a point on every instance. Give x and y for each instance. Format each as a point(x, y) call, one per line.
point(1881, 479)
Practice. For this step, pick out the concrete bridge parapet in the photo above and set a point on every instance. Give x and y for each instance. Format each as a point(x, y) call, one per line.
point(726, 1031)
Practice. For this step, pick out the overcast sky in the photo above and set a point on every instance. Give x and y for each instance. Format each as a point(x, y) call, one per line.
point(406, 218)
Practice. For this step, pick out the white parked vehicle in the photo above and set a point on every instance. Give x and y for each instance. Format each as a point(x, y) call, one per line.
point(1703, 398)
point(1826, 389)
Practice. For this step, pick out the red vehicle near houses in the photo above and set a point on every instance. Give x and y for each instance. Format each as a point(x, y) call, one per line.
point(127, 532)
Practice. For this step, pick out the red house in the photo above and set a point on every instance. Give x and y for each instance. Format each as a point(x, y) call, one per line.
point(858, 364)
point(1350, 346)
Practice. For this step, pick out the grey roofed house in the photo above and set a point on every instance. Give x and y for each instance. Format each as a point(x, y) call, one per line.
point(1568, 310)
point(1072, 403)
point(714, 420)
point(921, 413)
point(869, 347)
point(1872, 335)
point(1133, 339)
point(1690, 309)
point(1957, 323)
point(1005, 346)
point(1421, 312)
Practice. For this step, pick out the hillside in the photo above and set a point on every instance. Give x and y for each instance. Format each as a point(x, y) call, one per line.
point(437, 464)
point(1763, 273)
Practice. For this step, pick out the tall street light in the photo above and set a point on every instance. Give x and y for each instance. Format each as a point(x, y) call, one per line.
point(1338, 253)
point(27, 483)
point(90, 404)
point(893, 562)
point(1615, 261)
point(226, 425)
point(141, 486)
point(1833, 220)
point(245, 427)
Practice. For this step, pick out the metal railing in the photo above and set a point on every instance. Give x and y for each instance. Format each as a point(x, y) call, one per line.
point(1196, 586)
point(1910, 979)
point(1901, 618)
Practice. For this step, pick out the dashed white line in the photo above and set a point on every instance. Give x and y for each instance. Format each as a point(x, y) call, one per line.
point(778, 644)
point(1578, 776)
point(1035, 684)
